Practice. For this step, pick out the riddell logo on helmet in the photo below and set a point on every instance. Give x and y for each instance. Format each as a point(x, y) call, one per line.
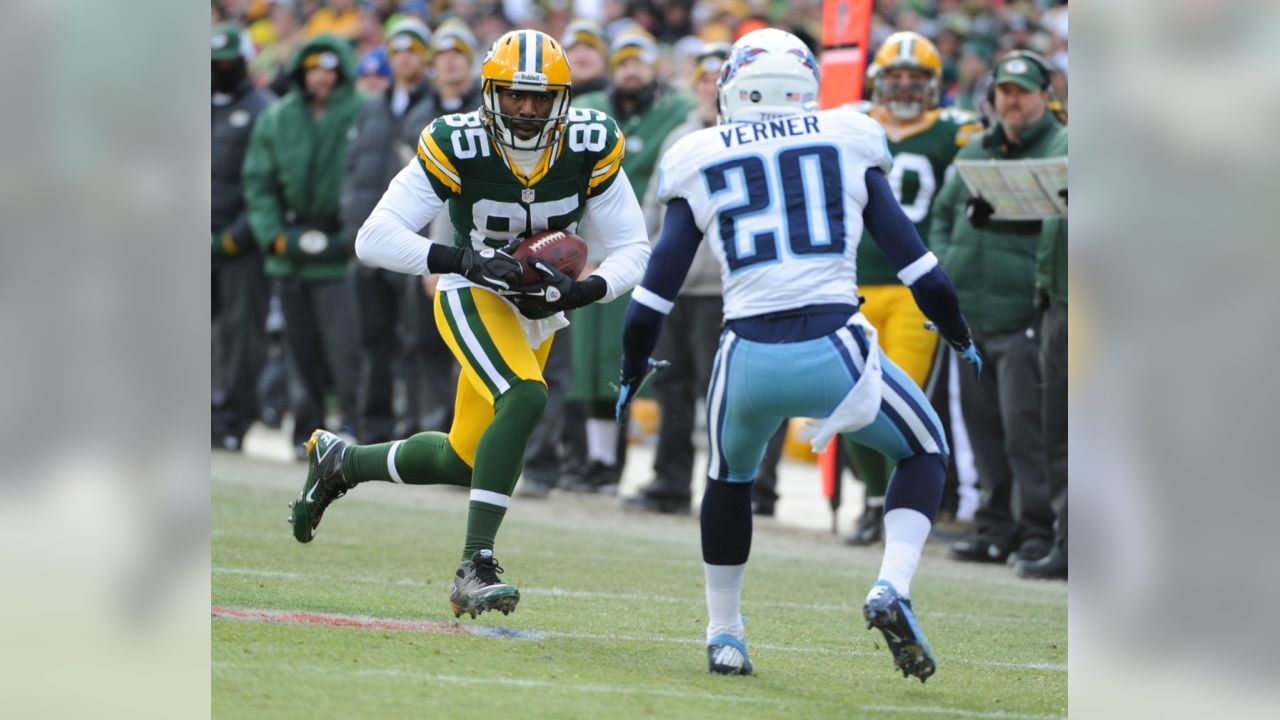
point(529, 78)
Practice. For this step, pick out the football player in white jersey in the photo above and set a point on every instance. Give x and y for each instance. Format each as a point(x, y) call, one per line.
point(782, 192)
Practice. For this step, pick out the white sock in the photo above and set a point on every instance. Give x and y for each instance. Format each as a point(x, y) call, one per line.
point(905, 531)
point(602, 441)
point(724, 600)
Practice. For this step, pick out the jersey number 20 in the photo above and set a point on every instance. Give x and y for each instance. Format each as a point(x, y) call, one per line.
point(805, 181)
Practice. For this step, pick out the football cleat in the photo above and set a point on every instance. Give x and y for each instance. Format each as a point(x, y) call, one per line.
point(325, 483)
point(476, 587)
point(891, 613)
point(727, 655)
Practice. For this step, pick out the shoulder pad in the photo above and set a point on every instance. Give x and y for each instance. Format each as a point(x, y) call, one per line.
point(438, 148)
point(596, 136)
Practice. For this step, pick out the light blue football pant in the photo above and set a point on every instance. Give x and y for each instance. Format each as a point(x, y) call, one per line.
point(755, 386)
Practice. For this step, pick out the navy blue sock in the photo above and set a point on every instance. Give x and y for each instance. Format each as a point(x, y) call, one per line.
point(726, 522)
point(917, 484)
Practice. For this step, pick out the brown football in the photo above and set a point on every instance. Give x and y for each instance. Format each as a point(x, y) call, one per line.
point(559, 248)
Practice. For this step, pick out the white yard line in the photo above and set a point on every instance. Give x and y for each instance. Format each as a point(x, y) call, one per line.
point(614, 690)
point(803, 650)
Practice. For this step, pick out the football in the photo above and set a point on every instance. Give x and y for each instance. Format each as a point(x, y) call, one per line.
point(559, 248)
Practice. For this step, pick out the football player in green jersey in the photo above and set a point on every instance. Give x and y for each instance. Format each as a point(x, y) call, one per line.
point(524, 163)
point(906, 79)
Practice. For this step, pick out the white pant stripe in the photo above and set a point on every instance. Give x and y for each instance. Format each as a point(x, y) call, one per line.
point(491, 498)
point(391, 462)
point(468, 337)
point(714, 403)
point(913, 421)
point(846, 337)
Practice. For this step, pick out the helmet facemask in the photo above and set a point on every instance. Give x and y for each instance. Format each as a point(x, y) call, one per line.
point(905, 95)
point(502, 126)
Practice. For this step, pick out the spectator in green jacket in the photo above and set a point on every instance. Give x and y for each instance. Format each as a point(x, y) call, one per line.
point(292, 180)
point(646, 112)
point(993, 265)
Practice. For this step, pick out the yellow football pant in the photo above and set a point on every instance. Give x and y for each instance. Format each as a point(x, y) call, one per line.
point(487, 339)
point(900, 324)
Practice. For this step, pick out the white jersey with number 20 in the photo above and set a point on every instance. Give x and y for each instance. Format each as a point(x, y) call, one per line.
point(780, 203)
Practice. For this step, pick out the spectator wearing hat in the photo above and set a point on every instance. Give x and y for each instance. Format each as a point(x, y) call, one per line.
point(993, 265)
point(646, 112)
point(292, 185)
point(457, 88)
point(373, 73)
point(239, 287)
point(588, 54)
point(385, 140)
point(337, 17)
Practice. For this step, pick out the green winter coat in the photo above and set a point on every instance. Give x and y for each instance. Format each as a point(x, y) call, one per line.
point(597, 328)
point(993, 268)
point(293, 174)
point(1051, 254)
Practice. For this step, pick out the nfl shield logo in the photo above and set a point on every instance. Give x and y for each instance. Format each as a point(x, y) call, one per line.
point(526, 195)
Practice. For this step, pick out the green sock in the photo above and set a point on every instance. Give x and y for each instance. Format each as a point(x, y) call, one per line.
point(424, 459)
point(870, 465)
point(499, 459)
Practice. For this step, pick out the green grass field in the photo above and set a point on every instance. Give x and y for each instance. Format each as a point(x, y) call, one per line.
point(611, 616)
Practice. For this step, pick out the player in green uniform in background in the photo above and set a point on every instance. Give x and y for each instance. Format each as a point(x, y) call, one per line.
point(906, 79)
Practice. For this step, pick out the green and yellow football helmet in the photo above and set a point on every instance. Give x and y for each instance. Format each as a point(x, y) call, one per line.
point(913, 51)
point(531, 61)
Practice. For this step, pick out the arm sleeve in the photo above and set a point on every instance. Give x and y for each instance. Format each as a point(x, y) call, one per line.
point(389, 237)
point(917, 268)
point(655, 297)
point(615, 217)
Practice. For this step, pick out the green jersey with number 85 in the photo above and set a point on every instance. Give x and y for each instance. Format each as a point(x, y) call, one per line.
point(492, 200)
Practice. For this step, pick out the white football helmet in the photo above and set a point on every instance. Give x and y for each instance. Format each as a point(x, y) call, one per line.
point(769, 73)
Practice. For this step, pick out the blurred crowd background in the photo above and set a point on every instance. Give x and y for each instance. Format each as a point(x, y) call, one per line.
point(970, 34)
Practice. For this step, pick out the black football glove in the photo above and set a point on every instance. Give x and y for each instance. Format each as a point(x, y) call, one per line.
point(556, 292)
point(978, 210)
point(629, 387)
point(491, 268)
point(964, 346)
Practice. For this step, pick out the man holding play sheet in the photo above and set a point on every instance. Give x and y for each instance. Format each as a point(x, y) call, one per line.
point(993, 265)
